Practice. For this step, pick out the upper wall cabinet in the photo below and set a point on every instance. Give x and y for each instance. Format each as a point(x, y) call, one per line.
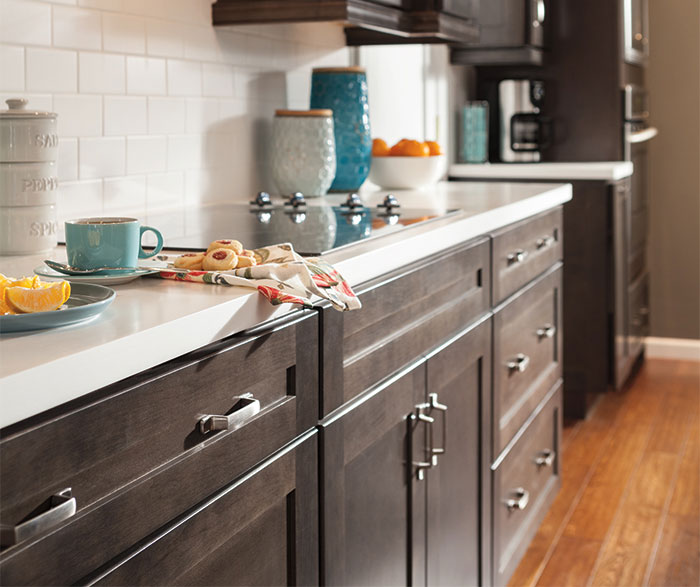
point(368, 22)
point(513, 32)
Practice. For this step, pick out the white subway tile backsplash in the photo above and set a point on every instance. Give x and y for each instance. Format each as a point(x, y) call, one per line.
point(148, 8)
point(102, 73)
point(124, 33)
point(102, 157)
point(11, 68)
point(164, 38)
point(111, 5)
point(77, 28)
point(145, 76)
point(184, 152)
point(79, 199)
point(124, 115)
point(42, 102)
point(51, 70)
point(78, 115)
point(217, 80)
point(125, 196)
point(164, 190)
point(201, 44)
point(25, 23)
point(201, 115)
point(66, 2)
point(146, 154)
point(67, 160)
point(184, 78)
point(166, 115)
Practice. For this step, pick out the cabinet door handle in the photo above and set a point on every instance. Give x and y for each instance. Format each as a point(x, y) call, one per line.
point(545, 242)
point(245, 407)
point(519, 500)
point(62, 506)
point(516, 256)
point(419, 416)
point(519, 364)
point(547, 331)
point(545, 458)
point(436, 405)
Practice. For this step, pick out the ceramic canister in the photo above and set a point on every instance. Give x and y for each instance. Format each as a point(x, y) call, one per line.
point(344, 91)
point(303, 151)
point(27, 135)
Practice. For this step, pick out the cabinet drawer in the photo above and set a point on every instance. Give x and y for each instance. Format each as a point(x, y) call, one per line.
point(135, 455)
point(525, 483)
point(527, 354)
point(525, 250)
point(404, 315)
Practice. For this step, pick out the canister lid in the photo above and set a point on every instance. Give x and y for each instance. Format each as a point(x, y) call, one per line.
point(321, 112)
point(349, 69)
point(17, 109)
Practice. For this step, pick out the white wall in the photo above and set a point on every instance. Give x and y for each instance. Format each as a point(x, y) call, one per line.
point(156, 108)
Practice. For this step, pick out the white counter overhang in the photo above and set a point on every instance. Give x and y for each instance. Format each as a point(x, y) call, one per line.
point(595, 170)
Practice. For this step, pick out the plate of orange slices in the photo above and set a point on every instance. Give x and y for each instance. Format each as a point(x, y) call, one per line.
point(30, 304)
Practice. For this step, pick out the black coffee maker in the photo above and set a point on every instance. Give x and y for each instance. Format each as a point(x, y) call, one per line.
point(523, 130)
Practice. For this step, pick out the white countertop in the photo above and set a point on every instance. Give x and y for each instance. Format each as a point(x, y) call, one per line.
point(600, 170)
point(154, 320)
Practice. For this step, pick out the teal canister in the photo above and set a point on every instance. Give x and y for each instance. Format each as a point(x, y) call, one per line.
point(303, 151)
point(344, 91)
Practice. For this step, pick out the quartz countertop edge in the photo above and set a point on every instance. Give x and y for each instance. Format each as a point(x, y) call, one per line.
point(594, 170)
point(154, 320)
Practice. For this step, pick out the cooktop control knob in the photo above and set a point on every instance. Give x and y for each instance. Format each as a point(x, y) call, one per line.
point(262, 200)
point(390, 202)
point(353, 201)
point(296, 200)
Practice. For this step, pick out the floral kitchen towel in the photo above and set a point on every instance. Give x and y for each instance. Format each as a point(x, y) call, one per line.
point(282, 276)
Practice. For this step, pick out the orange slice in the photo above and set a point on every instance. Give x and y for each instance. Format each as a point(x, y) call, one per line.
point(434, 148)
point(44, 299)
point(380, 148)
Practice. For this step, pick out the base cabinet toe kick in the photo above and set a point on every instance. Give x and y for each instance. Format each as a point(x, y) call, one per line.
point(414, 442)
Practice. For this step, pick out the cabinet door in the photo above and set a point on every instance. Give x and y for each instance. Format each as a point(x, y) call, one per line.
point(459, 380)
point(261, 530)
point(373, 520)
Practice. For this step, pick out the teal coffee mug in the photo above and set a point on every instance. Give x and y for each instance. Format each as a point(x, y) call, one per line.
point(107, 242)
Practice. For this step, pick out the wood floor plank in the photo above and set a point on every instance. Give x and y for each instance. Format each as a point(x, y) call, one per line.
point(686, 495)
point(571, 563)
point(677, 561)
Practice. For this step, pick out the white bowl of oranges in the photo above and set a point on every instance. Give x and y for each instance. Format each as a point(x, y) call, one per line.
point(409, 164)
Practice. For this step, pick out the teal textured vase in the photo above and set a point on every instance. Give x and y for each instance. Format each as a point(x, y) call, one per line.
point(344, 90)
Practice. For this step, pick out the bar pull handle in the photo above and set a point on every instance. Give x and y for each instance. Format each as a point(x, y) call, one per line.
point(545, 458)
point(547, 331)
point(519, 364)
point(245, 407)
point(62, 506)
point(419, 416)
point(517, 256)
point(519, 501)
point(436, 405)
point(545, 242)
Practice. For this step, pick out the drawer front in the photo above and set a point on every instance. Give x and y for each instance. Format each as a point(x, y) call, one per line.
point(525, 483)
point(527, 354)
point(525, 250)
point(403, 316)
point(137, 456)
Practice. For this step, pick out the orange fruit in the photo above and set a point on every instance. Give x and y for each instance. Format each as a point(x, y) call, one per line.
point(45, 298)
point(380, 148)
point(434, 148)
point(415, 149)
point(397, 149)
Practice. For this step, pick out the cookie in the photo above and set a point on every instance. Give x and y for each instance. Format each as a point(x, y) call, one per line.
point(189, 261)
point(230, 244)
point(220, 260)
point(245, 261)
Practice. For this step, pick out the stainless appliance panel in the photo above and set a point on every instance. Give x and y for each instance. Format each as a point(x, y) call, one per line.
point(636, 31)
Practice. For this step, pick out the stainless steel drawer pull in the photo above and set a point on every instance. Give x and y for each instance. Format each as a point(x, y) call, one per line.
point(436, 405)
point(519, 364)
point(545, 458)
point(245, 407)
point(419, 416)
point(519, 500)
point(516, 256)
point(547, 331)
point(62, 506)
point(544, 242)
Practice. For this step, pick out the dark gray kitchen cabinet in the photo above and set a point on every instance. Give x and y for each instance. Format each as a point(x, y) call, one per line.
point(367, 21)
point(400, 472)
point(512, 32)
point(141, 455)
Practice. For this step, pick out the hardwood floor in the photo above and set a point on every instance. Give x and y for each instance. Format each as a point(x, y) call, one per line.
point(628, 512)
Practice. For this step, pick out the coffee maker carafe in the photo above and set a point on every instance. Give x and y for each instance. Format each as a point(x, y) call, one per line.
point(524, 130)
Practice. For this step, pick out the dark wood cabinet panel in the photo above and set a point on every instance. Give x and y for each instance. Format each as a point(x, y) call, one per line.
point(261, 530)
